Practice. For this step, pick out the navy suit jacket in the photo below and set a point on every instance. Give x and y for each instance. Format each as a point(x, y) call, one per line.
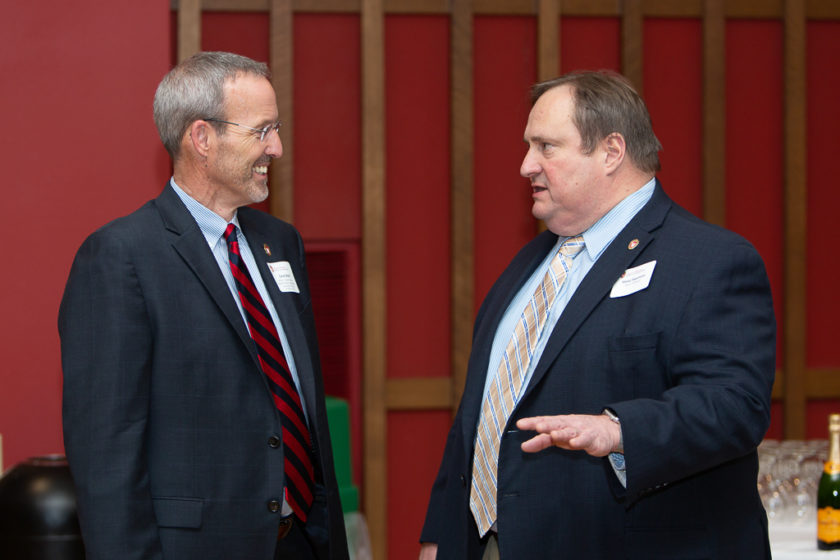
point(167, 414)
point(688, 366)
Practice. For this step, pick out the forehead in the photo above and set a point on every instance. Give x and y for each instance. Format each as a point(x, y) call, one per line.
point(552, 114)
point(252, 97)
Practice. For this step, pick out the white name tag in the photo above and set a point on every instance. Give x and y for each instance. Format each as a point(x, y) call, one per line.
point(633, 280)
point(282, 272)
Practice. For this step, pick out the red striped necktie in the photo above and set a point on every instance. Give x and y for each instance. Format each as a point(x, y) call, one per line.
point(296, 440)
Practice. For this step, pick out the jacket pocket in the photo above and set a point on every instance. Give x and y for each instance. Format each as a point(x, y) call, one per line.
point(178, 512)
point(637, 366)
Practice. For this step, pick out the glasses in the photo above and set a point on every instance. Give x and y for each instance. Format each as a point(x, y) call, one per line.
point(263, 132)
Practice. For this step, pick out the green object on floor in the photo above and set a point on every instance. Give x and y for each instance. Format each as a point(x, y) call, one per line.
point(338, 418)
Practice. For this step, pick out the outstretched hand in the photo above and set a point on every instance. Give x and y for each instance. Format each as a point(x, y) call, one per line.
point(596, 434)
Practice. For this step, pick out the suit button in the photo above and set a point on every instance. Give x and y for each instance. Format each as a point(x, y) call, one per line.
point(274, 506)
point(463, 481)
point(274, 442)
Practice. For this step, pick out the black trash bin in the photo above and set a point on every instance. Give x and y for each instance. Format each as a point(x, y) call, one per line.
point(38, 519)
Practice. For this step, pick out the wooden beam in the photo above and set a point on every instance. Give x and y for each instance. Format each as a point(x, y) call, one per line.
point(778, 386)
point(373, 273)
point(419, 393)
point(504, 7)
point(795, 195)
point(733, 9)
point(282, 75)
point(592, 8)
point(714, 113)
point(754, 9)
point(823, 9)
point(461, 197)
point(189, 28)
point(673, 8)
point(631, 42)
point(736, 9)
point(548, 39)
point(822, 383)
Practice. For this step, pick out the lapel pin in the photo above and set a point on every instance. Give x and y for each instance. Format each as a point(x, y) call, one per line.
point(266, 249)
point(633, 244)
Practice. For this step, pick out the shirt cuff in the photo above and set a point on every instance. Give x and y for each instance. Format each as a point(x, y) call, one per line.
point(619, 467)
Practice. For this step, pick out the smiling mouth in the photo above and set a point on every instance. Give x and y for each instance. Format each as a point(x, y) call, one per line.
point(261, 169)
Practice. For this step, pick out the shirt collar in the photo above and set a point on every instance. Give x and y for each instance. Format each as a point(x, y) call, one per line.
point(601, 233)
point(211, 224)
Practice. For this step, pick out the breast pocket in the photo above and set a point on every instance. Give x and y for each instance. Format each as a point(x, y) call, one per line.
point(636, 360)
point(184, 513)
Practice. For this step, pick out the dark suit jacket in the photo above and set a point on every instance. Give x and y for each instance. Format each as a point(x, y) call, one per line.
point(688, 366)
point(167, 414)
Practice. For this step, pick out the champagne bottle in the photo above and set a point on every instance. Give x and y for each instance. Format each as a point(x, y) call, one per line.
point(828, 494)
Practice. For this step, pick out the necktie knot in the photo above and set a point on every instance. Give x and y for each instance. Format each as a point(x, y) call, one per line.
point(230, 233)
point(572, 246)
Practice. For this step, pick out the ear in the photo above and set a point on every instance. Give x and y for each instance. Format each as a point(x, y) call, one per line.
point(614, 151)
point(198, 138)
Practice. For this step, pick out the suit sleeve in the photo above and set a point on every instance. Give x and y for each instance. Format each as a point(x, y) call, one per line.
point(720, 363)
point(438, 509)
point(106, 347)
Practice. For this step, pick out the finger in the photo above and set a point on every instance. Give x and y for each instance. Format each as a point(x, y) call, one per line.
point(579, 440)
point(529, 423)
point(592, 443)
point(563, 438)
point(536, 443)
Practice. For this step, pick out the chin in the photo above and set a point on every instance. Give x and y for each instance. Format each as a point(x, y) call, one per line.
point(258, 194)
point(535, 212)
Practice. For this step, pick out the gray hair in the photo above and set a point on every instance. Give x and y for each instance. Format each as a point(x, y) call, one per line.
point(605, 103)
point(194, 90)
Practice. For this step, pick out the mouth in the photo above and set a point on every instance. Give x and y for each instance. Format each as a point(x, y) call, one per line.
point(536, 189)
point(261, 169)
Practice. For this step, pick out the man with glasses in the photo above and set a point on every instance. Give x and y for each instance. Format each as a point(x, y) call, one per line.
point(194, 417)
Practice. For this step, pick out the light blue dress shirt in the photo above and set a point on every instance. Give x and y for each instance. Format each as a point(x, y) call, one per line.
point(213, 227)
point(597, 238)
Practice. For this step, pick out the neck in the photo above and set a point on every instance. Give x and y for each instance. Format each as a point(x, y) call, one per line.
point(197, 185)
point(629, 179)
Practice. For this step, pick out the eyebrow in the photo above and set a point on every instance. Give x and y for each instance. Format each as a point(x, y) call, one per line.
point(540, 140)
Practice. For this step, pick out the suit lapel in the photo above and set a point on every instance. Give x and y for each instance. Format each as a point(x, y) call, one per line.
point(191, 245)
point(623, 252)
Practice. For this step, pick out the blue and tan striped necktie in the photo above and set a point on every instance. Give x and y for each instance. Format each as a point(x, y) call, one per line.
point(506, 386)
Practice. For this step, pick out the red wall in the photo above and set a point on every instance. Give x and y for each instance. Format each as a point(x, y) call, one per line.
point(80, 149)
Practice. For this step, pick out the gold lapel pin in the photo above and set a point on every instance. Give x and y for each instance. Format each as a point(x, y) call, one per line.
point(633, 244)
point(266, 249)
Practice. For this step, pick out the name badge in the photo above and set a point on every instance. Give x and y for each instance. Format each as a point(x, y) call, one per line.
point(282, 273)
point(633, 280)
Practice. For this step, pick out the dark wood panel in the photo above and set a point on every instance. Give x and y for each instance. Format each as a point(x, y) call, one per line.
point(548, 39)
point(462, 256)
point(419, 393)
point(753, 9)
point(374, 321)
point(631, 43)
point(714, 113)
point(795, 219)
point(189, 28)
point(282, 77)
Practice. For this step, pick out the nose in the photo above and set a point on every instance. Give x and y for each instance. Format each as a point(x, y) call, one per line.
point(529, 166)
point(274, 147)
